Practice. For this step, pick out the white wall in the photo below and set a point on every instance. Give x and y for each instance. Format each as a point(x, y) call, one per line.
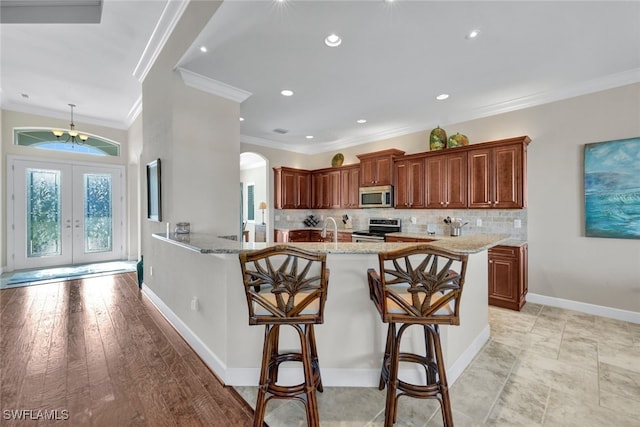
point(563, 263)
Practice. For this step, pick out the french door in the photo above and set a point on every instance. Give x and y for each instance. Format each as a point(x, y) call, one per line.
point(65, 213)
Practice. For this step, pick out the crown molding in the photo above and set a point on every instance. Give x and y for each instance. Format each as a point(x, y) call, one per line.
point(134, 111)
point(206, 84)
point(171, 14)
point(582, 88)
point(56, 114)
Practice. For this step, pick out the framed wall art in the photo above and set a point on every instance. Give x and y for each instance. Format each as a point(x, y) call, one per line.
point(612, 189)
point(154, 191)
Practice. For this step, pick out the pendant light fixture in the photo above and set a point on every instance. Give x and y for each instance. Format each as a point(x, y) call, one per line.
point(74, 136)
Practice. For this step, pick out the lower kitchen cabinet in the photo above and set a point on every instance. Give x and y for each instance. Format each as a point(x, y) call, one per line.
point(284, 236)
point(391, 239)
point(508, 282)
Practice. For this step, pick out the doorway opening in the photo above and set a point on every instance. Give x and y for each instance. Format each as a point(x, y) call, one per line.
point(255, 219)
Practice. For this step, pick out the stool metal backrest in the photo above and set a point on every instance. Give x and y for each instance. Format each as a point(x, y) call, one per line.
point(418, 284)
point(285, 284)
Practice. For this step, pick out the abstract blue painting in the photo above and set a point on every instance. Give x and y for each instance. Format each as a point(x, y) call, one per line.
point(612, 189)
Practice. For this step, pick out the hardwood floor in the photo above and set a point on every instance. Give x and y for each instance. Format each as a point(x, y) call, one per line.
point(96, 352)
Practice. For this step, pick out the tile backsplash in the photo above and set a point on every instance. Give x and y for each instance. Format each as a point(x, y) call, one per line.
point(493, 221)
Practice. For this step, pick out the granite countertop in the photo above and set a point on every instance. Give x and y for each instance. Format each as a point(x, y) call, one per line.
point(507, 242)
point(210, 244)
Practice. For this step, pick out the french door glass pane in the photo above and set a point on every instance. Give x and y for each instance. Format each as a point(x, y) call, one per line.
point(44, 225)
point(98, 219)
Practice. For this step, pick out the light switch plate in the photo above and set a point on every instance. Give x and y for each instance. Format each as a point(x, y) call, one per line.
point(414, 220)
point(517, 223)
point(479, 222)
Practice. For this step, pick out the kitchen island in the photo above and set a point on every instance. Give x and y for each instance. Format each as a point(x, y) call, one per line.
point(198, 287)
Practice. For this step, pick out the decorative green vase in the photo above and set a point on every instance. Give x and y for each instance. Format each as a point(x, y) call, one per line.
point(457, 140)
point(140, 269)
point(437, 139)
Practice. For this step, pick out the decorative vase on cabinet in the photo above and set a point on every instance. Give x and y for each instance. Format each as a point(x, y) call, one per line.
point(437, 139)
point(457, 140)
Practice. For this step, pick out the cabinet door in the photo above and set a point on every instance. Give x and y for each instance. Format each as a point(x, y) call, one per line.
point(316, 190)
point(288, 188)
point(409, 184)
point(333, 198)
point(368, 172)
point(456, 181)
point(299, 235)
point(384, 171)
point(303, 190)
point(349, 185)
point(480, 195)
point(508, 276)
point(436, 176)
point(507, 185)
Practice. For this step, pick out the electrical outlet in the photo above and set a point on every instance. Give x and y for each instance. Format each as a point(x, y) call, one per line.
point(277, 218)
point(288, 218)
point(479, 222)
point(517, 223)
point(414, 220)
point(150, 271)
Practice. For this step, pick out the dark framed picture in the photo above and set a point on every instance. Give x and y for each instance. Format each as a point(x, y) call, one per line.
point(154, 191)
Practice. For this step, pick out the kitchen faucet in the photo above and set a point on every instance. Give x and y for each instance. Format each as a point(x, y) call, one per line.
point(335, 229)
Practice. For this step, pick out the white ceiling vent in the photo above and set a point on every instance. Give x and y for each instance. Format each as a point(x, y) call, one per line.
point(281, 131)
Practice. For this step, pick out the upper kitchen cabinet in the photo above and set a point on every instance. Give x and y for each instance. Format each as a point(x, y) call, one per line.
point(292, 188)
point(446, 176)
point(377, 168)
point(409, 183)
point(326, 189)
point(497, 174)
point(349, 185)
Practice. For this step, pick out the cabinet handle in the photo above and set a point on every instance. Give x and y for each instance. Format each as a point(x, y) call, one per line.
point(441, 203)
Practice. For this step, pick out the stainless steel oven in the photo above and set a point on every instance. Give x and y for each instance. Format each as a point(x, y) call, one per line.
point(378, 228)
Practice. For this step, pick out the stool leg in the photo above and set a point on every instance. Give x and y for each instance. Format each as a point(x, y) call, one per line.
point(386, 356)
point(313, 418)
point(393, 341)
point(274, 339)
point(447, 415)
point(267, 351)
point(429, 355)
point(314, 355)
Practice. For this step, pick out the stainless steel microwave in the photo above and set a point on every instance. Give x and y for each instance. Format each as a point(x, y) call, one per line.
point(376, 197)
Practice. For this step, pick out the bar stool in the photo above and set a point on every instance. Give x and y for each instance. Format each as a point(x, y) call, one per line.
point(285, 285)
point(417, 286)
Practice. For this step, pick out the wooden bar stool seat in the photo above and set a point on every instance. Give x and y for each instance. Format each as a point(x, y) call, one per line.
point(418, 285)
point(286, 286)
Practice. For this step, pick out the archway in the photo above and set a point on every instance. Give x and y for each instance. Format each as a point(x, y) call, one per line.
point(256, 222)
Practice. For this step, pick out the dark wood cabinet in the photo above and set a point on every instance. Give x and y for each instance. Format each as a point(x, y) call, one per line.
point(326, 189)
point(508, 276)
point(409, 183)
point(284, 236)
point(292, 188)
point(349, 185)
point(497, 174)
point(377, 168)
point(399, 239)
point(446, 181)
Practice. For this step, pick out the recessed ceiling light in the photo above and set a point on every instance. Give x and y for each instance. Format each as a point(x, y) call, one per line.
point(442, 96)
point(203, 48)
point(472, 34)
point(332, 40)
point(287, 92)
point(242, 119)
point(361, 121)
point(309, 136)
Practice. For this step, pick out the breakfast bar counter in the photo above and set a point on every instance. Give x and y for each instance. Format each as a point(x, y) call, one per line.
point(196, 282)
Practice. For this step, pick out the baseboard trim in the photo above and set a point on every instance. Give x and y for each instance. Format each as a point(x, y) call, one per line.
point(455, 370)
point(583, 307)
point(209, 358)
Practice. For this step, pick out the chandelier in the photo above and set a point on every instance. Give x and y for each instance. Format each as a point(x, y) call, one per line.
point(74, 136)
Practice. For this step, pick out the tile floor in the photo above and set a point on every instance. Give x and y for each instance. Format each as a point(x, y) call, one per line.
point(543, 366)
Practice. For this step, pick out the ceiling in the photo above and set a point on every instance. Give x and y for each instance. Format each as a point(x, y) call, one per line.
point(395, 58)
